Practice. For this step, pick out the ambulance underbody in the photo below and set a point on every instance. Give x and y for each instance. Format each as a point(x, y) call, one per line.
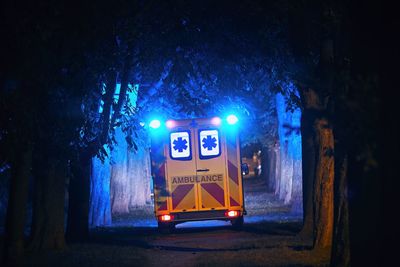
point(196, 172)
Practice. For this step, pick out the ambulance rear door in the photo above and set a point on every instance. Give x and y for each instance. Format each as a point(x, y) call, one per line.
point(181, 169)
point(210, 167)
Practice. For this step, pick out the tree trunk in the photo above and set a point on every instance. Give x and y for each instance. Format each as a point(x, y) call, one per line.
point(16, 210)
point(297, 187)
point(325, 172)
point(286, 179)
point(139, 168)
point(286, 166)
point(341, 243)
point(120, 175)
point(120, 187)
point(48, 205)
point(130, 177)
point(308, 172)
point(278, 170)
point(100, 207)
point(268, 163)
point(323, 185)
point(79, 195)
point(272, 170)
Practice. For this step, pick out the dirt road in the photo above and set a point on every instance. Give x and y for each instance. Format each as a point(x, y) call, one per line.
point(258, 244)
point(268, 238)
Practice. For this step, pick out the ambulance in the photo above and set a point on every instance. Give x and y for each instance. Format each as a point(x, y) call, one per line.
point(196, 171)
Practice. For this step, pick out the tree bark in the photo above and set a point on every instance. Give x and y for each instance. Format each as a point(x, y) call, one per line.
point(325, 172)
point(100, 207)
point(268, 165)
point(139, 167)
point(323, 185)
point(120, 186)
point(278, 170)
point(286, 179)
point(79, 195)
point(308, 173)
point(271, 169)
point(341, 242)
point(120, 176)
point(16, 210)
point(297, 187)
point(318, 170)
point(48, 205)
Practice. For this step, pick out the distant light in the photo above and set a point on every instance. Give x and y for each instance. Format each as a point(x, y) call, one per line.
point(216, 121)
point(232, 119)
point(155, 124)
point(170, 124)
point(232, 213)
point(142, 123)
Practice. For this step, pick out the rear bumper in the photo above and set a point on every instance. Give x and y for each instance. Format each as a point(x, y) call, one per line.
point(180, 217)
point(199, 215)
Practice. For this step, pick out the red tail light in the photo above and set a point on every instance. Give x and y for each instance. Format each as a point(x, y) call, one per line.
point(166, 218)
point(232, 213)
point(216, 121)
point(170, 124)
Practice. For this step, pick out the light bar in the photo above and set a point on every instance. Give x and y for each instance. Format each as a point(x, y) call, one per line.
point(155, 124)
point(232, 119)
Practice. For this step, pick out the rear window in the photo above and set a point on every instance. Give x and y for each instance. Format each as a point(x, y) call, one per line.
point(180, 145)
point(209, 143)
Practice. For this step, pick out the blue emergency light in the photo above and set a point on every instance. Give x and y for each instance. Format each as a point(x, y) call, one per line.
point(232, 119)
point(155, 124)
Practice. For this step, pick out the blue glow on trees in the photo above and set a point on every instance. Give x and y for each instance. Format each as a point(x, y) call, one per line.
point(116, 93)
point(101, 106)
point(290, 188)
point(133, 94)
point(130, 174)
point(120, 178)
point(100, 205)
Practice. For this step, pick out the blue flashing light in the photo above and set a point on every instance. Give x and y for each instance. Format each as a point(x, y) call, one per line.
point(155, 124)
point(232, 119)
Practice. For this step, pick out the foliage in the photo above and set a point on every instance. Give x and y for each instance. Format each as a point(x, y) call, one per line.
point(206, 60)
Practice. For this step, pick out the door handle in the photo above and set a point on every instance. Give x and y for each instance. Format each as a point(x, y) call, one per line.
point(203, 170)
